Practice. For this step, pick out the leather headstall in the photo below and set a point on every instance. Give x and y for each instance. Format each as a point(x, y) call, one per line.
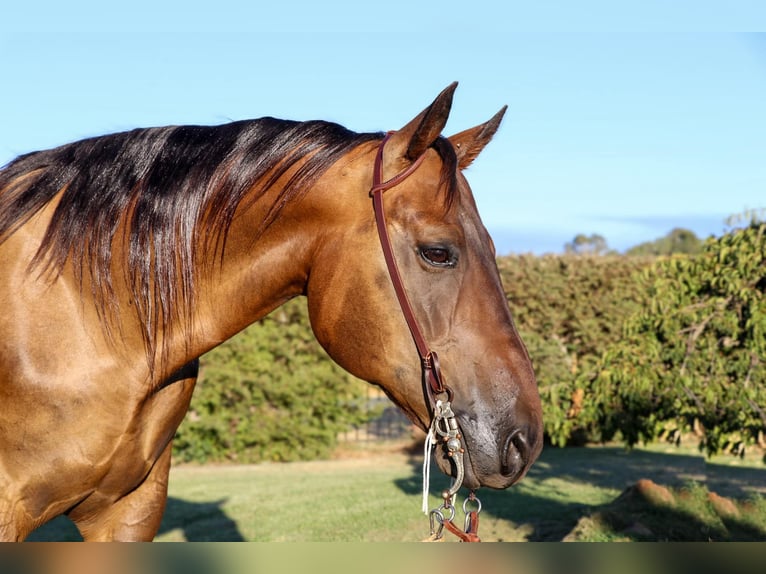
point(444, 426)
point(429, 360)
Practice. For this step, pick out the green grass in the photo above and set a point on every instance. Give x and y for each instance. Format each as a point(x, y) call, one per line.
point(571, 494)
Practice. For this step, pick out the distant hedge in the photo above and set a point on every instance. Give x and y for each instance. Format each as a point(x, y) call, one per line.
point(568, 310)
point(270, 394)
point(632, 348)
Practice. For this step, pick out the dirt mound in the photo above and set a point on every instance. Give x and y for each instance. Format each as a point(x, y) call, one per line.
point(647, 511)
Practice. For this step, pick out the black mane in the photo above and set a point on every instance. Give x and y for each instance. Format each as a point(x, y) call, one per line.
point(174, 184)
point(173, 190)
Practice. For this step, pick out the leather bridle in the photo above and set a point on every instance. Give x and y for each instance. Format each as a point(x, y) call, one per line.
point(429, 360)
point(443, 427)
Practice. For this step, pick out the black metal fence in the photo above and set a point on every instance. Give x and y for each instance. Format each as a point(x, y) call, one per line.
point(390, 424)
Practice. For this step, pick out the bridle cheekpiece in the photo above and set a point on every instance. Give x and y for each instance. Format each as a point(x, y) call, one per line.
point(444, 426)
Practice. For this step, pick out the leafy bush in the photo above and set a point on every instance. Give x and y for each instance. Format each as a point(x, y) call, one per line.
point(637, 348)
point(568, 309)
point(270, 393)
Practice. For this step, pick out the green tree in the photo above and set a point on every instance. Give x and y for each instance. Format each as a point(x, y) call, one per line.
point(677, 240)
point(695, 357)
point(593, 244)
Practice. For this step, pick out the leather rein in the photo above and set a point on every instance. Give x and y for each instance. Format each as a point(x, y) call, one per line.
point(444, 426)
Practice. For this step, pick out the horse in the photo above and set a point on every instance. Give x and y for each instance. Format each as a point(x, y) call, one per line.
point(124, 257)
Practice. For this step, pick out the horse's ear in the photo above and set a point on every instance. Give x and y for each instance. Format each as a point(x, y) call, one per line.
point(418, 135)
point(469, 143)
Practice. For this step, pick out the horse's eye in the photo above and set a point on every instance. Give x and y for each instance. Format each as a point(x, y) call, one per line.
point(438, 256)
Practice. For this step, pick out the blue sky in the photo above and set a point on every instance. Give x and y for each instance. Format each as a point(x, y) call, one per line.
point(624, 120)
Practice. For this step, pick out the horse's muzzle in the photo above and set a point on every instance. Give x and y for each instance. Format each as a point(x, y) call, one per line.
point(497, 459)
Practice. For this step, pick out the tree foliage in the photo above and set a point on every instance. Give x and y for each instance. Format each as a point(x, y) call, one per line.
point(694, 357)
point(568, 310)
point(678, 240)
point(593, 244)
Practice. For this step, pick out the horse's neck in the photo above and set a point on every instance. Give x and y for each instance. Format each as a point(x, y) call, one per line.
point(258, 272)
point(254, 278)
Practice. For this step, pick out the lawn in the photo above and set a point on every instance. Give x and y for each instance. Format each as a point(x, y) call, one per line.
point(373, 494)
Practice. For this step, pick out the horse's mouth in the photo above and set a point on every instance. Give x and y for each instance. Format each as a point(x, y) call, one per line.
point(499, 471)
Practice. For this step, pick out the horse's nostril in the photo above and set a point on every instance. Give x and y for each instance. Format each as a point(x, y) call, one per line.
point(516, 454)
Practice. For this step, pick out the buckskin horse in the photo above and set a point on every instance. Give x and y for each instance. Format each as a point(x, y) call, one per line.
point(125, 257)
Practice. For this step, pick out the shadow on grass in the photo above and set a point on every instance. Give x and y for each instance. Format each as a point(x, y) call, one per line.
point(541, 505)
point(199, 522)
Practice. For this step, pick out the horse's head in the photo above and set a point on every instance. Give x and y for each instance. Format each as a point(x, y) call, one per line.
point(447, 263)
